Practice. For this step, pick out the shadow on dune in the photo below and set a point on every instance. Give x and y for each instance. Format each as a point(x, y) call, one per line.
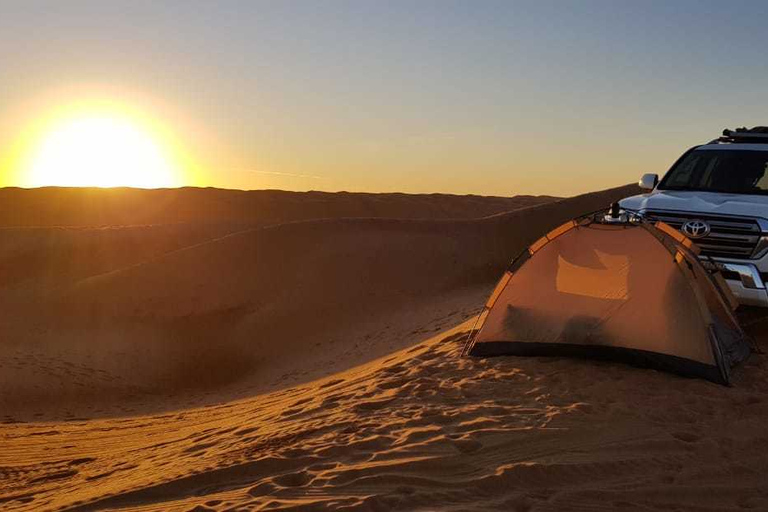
point(216, 312)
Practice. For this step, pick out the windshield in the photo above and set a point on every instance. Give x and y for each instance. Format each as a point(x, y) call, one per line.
point(731, 171)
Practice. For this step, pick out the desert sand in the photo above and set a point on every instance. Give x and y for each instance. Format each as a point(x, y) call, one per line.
point(313, 364)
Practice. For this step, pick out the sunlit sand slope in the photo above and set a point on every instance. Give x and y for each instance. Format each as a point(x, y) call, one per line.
point(253, 310)
point(420, 429)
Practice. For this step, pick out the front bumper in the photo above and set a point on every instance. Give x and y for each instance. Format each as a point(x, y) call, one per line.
point(745, 282)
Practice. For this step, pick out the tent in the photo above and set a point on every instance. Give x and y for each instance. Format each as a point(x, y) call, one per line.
point(628, 291)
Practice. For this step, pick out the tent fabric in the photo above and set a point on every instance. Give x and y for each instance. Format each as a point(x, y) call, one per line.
point(630, 292)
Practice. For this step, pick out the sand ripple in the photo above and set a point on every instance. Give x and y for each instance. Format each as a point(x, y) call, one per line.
point(421, 429)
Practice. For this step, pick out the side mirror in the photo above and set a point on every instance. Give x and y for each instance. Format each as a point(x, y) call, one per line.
point(648, 181)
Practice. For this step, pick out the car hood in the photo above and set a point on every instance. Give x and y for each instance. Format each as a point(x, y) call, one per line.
point(705, 203)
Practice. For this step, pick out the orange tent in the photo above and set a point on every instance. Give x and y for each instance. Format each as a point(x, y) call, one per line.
point(634, 292)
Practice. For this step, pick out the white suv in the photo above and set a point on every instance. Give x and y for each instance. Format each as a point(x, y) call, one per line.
point(717, 195)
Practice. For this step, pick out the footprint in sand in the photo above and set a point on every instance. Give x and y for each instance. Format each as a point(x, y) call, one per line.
point(395, 369)
point(244, 431)
point(331, 383)
point(263, 489)
point(298, 479)
point(391, 384)
point(466, 445)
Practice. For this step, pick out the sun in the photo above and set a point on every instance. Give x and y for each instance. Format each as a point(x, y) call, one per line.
point(100, 149)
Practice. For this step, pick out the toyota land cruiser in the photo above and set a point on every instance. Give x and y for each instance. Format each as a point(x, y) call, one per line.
point(717, 195)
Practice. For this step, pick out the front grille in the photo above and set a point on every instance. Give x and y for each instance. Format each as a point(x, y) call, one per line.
point(730, 237)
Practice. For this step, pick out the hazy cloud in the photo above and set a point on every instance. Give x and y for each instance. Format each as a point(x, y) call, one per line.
point(287, 174)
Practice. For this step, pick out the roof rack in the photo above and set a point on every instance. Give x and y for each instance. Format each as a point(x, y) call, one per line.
point(758, 134)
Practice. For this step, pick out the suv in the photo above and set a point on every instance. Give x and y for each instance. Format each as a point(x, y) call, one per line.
point(717, 195)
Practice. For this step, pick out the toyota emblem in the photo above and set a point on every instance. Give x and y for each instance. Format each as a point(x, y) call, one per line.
point(696, 228)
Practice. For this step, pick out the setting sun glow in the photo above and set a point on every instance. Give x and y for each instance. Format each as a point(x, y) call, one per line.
point(99, 150)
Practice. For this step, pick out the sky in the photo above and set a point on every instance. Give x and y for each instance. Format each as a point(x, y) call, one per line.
point(481, 97)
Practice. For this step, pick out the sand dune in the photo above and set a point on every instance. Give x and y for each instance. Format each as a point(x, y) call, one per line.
point(256, 308)
point(61, 206)
point(315, 366)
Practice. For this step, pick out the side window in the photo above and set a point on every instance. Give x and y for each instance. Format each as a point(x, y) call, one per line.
point(762, 182)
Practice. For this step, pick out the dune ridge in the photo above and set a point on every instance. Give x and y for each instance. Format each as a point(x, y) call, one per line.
point(63, 206)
